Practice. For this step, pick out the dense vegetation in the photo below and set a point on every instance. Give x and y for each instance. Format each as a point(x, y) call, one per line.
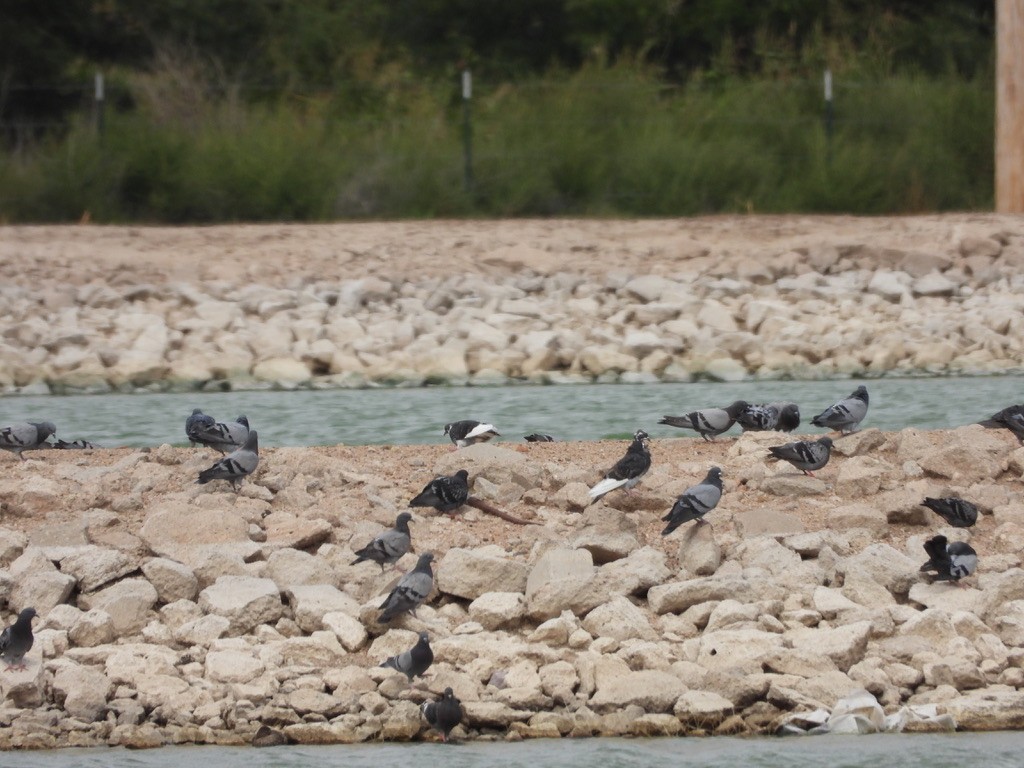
point(268, 109)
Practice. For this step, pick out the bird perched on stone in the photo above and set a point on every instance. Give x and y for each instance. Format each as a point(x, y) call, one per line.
point(539, 437)
point(1011, 418)
point(444, 714)
point(847, 414)
point(222, 436)
point(695, 502)
point(26, 436)
point(388, 547)
point(16, 640)
point(445, 493)
point(768, 417)
point(74, 445)
point(805, 455)
point(415, 661)
point(198, 423)
point(955, 511)
point(708, 422)
point(237, 465)
point(949, 561)
point(469, 432)
point(410, 592)
point(628, 470)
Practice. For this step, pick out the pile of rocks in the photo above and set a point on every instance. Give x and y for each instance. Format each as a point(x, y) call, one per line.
point(175, 613)
point(828, 309)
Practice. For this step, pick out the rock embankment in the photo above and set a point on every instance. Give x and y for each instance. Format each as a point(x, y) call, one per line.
point(171, 612)
point(94, 309)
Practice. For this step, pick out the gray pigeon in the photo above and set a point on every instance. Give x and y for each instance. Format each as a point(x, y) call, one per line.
point(768, 417)
point(236, 465)
point(388, 547)
point(1011, 418)
point(469, 432)
point(805, 455)
point(628, 470)
point(695, 502)
point(16, 640)
point(415, 661)
point(222, 436)
point(949, 562)
point(410, 592)
point(74, 445)
point(197, 424)
point(539, 437)
point(26, 436)
point(445, 494)
point(957, 512)
point(444, 714)
point(845, 415)
point(708, 422)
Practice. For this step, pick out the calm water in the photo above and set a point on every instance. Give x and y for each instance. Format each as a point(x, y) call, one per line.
point(993, 750)
point(569, 412)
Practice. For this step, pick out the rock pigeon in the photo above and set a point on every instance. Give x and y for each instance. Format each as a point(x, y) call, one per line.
point(444, 714)
point(410, 592)
point(695, 502)
point(469, 432)
point(628, 470)
point(238, 464)
point(74, 445)
point(222, 436)
point(1011, 418)
point(16, 640)
point(845, 415)
point(950, 562)
point(539, 437)
point(805, 455)
point(198, 423)
point(388, 547)
point(415, 661)
point(956, 512)
point(768, 417)
point(26, 436)
point(445, 493)
point(709, 421)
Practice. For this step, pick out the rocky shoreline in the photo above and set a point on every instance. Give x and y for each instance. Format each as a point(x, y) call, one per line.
point(171, 612)
point(95, 309)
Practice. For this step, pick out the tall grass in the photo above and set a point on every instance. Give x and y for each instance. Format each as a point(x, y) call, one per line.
point(602, 141)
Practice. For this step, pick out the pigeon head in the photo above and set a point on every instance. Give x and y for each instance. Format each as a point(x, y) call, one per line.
point(252, 442)
point(715, 473)
point(424, 637)
point(243, 421)
point(448, 428)
point(405, 517)
point(463, 474)
point(448, 693)
point(425, 559)
point(45, 429)
point(641, 435)
point(197, 412)
point(861, 393)
point(736, 408)
point(826, 441)
point(27, 614)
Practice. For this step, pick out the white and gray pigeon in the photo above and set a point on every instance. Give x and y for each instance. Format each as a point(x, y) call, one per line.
point(415, 661)
point(708, 422)
point(74, 445)
point(1011, 418)
point(628, 470)
point(805, 455)
point(197, 424)
point(17, 639)
point(949, 561)
point(444, 714)
point(695, 502)
point(958, 512)
point(539, 437)
point(769, 417)
point(445, 493)
point(388, 547)
point(222, 436)
point(469, 432)
point(237, 465)
point(846, 415)
point(410, 592)
point(26, 436)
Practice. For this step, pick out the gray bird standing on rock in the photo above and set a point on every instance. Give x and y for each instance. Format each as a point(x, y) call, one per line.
point(221, 436)
point(16, 640)
point(388, 547)
point(410, 592)
point(805, 455)
point(237, 465)
point(415, 661)
point(628, 470)
point(708, 422)
point(196, 424)
point(445, 494)
point(957, 512)
point(846, 415)
point(695, 502)
point(26, 436)
point(444, 714)
point(949, 561)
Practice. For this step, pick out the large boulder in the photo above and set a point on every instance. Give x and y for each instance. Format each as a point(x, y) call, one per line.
point(245, 601)
point(129, 604)
point(470, 573)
